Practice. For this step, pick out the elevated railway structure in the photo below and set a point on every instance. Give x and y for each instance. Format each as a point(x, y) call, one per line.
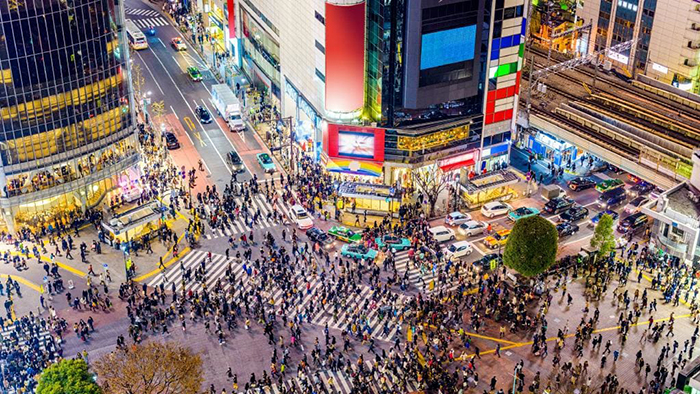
point(645, 128)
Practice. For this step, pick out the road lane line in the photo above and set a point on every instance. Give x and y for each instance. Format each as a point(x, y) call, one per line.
point(150, 72)
point(191, 111)
point(226, 137)
point(161, 42)
point(174, 113)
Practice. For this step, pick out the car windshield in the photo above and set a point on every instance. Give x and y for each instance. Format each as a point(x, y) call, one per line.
point(235, 117)
point(498, 236)
point(452, 248)
point(302, 215)
point(265, 158)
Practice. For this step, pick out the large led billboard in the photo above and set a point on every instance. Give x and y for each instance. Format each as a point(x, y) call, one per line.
point(445, 47)
point(354, 142)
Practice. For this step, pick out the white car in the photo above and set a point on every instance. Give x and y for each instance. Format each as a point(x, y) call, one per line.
point(442, 233)
point(495, 208)
point(457, 218)
point(635, 205)
point(472, 227)
point(300, 217)
point(459, 249)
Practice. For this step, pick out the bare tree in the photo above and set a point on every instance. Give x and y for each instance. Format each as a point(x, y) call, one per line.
point(153, 368)
point(431, 181)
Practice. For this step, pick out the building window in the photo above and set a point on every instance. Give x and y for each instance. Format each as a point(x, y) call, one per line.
point(320, 47)
point(320, 18)
point(320, 76)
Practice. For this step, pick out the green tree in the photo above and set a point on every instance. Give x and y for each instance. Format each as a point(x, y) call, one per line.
point(532, 246)
point(603, 236)
point(67, 377)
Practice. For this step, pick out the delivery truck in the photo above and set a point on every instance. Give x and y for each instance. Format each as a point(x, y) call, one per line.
point(228, 106)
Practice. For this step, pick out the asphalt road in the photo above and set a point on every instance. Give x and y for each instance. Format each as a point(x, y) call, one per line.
point(164, 71)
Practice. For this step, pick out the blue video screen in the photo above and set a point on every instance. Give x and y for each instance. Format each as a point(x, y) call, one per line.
point(447, 47)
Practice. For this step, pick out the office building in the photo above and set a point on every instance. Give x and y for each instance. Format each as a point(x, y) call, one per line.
point(667, 34)
point(380, 88)
point(67, 133)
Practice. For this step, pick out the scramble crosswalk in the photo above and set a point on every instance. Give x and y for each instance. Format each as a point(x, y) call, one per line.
point(381, 321)
point(339, 382)
point(241, 224)
point(140, 11)
point(419, 275)
point(148, 22)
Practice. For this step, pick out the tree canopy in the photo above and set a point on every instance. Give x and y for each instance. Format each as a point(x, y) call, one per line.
point(162, 368)
point(67, 377)
point(604, 236)
point(532, 246)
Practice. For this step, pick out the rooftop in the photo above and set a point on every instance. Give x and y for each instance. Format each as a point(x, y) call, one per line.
point(685, 200)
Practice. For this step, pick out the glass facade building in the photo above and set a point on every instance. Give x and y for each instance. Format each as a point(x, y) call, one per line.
point(67, 125)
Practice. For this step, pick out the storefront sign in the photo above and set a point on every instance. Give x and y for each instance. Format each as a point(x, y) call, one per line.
point(216, 21)
point(494, 150)
point(438, 138)
point(454, 162)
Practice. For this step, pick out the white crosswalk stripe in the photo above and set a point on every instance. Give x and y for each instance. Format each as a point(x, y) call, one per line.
point(241, 224)
point(148, 22)
point(381, 320)
point(340, 382)
point(6, 339)
point(419, 275)
point(140, 11)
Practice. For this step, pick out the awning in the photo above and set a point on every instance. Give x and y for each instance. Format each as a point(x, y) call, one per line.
point(454, 162)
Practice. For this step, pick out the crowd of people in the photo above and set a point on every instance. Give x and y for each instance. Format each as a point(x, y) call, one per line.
point(28, 345)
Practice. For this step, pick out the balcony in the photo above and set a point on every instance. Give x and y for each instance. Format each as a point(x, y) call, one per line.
point(62, 188)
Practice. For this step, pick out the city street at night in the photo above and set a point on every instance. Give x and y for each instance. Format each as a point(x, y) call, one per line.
point(349, 197)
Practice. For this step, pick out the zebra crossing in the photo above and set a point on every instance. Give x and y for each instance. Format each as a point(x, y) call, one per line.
point(420, 276)
point(381, 320)
point(140, 11)
point(6, 339)
point(148, 22)
point(215, 269)
point(240, 226)
point(339, 381)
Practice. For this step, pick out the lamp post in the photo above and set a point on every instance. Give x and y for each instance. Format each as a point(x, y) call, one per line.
point(145, 100)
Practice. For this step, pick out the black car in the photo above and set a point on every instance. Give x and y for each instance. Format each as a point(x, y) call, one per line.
point(581, 183)
point(567, 228)
point(485, 262)
point(574, 214)
point(235, 161)
point(558, 204)
point(612, 198)
point(633, 223)
point(203, 114)
point(315, 234)
point(640, 189)
point(171, 141)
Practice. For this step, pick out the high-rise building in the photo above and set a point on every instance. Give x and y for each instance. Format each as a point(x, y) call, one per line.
point(383, 87)
point(67, 134)
point(667, 34)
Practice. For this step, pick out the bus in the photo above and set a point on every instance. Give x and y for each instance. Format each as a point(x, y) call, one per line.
point(136, 38)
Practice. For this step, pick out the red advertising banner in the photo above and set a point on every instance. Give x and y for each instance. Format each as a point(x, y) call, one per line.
point(345, 57)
